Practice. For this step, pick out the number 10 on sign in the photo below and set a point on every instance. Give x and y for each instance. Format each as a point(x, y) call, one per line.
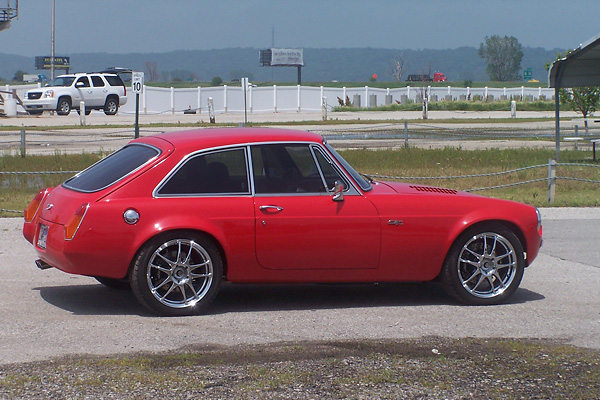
point(137, 82)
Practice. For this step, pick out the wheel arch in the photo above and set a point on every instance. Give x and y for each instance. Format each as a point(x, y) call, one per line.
point(184, 231)
point(481, 225)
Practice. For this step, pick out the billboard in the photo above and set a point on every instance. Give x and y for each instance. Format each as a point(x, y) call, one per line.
point(46, 62)
point(282, 58)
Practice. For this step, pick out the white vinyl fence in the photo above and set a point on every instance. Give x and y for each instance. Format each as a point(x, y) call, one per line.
point(230, 99)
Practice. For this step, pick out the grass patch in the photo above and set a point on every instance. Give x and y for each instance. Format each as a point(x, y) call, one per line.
point(423, 368)
point(17, 190)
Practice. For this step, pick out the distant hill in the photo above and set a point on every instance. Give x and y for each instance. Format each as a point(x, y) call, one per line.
point(321, 65)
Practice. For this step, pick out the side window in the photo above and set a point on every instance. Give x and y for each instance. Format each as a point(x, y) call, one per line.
point(219, 172)
point(285, 168)
point(114, 80)
point(330, 174)
point(85, 80)
point(97, 81)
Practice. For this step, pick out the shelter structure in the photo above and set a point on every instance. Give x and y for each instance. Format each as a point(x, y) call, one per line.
point(579, 68)
point(7, 13)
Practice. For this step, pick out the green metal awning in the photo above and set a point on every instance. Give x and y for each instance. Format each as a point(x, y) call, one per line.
point(579, 68)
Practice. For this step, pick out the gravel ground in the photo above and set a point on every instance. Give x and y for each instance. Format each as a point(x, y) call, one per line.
point(428, 368)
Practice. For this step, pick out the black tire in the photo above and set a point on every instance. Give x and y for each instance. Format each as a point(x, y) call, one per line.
point(63, 107)
point(120, 284)
point(176, 274)
point(111, 106)
point(484, 266)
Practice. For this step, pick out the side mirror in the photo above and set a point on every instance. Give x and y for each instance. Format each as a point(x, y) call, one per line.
point(338, 191)
point(79, 85)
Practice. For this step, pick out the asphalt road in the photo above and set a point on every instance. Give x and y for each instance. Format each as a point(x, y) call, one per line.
point(45, 314)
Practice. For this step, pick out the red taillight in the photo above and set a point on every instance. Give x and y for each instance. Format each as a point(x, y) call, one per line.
point(73, 224)
point(34, 206)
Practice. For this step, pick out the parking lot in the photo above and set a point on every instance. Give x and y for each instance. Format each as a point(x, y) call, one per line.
point(49, 313)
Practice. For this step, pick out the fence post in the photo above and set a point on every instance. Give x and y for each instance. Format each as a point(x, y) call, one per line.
point(144, 100)
point(551, 180)
point(324, 108)
point(299, 98)
point(224, 99)
point(23, 144)
point(172, 100)
point(82, 113)
point(211, 110)
point(199, 102)
point(405, 134)
point(513, 109)
point(274, 98)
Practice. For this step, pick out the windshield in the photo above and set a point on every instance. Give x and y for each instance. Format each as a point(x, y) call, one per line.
point(62, 81)
point(112, 168)
point(364, 184)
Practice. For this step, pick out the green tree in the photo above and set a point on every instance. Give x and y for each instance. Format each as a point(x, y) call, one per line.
point(216, 81)
point(584, 100)
point(19, 76)
point(503, 57)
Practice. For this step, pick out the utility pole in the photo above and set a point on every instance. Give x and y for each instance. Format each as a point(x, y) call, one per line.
point(52, 42)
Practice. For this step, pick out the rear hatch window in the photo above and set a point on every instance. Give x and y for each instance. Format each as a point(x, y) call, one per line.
point(113, 168)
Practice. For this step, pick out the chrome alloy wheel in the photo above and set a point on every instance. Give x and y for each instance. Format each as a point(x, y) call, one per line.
point(180, 273)
point(487, 264)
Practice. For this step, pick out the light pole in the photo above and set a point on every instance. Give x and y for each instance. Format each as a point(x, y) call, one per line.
point(52, 43)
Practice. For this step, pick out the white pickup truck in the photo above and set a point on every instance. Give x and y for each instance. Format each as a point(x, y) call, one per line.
point(97, 90)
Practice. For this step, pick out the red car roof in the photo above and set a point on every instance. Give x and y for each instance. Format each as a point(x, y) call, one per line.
point(213, 137)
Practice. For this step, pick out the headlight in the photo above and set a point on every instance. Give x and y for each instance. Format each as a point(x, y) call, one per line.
point(48, 93)
point(539, 219)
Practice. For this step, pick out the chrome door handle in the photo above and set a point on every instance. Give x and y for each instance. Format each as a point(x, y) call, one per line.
point(270, 208)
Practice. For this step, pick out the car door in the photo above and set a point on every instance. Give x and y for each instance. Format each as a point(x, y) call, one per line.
point(298, 224)
point(98, 93)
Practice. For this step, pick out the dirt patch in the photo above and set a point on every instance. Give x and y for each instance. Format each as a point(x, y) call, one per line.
point(429, 368)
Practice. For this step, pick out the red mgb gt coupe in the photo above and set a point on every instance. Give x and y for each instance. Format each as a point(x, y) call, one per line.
point(174, 215)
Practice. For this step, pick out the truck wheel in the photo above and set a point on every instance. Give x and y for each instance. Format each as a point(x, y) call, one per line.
point(63, 106)
point(111, 106)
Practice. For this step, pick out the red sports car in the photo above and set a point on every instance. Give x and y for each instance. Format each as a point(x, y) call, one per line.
point(174, 215)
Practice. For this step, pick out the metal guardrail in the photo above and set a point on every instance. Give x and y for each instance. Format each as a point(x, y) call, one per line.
point(551, 179)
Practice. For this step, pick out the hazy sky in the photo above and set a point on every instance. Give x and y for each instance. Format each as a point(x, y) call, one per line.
point(124, 26)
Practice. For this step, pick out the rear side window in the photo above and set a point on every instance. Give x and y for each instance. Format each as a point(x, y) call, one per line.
point(112, 169)
point(97, 81)
point(114, 80)
point(220, 172)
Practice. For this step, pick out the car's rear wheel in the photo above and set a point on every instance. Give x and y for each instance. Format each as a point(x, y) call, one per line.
point(484, 266)
point(177, 274)
point(63, 106)
point(111, 106)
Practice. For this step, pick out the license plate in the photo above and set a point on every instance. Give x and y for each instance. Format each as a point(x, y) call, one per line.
point(42, 236)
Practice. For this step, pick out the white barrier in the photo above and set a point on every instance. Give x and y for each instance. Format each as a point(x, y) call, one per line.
point(230, 99)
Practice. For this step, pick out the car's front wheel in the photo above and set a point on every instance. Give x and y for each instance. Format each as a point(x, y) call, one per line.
point(111, 106)
point(484, 266)
point(177, 274)
point(63, 106)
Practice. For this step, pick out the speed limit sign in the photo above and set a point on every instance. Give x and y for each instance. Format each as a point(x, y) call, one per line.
point(137, 82)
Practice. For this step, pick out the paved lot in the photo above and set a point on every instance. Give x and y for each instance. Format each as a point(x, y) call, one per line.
point(48, 313)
